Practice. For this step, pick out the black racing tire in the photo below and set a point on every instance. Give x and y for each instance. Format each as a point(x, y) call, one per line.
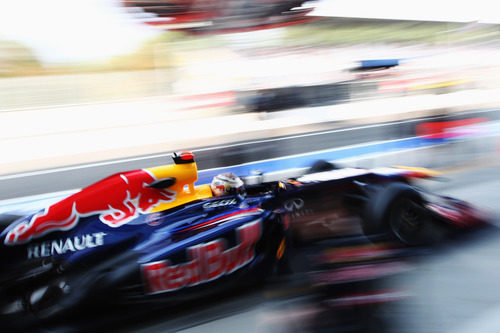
point(73, 292)
point(321, 166)
point(396, 212)
point(7, 219)
point(56, 299)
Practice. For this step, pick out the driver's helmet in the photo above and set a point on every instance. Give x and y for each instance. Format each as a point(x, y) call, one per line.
point(227, 183)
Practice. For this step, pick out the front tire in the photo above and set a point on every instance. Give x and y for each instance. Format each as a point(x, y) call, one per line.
point(396, 212)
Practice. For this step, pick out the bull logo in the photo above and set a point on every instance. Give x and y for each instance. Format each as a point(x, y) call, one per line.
point(117, 199)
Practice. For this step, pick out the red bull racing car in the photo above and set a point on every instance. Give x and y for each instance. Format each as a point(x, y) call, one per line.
point(152, 235)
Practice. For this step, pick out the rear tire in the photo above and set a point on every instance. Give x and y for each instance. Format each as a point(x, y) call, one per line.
point(56, 299)
point(6, 220)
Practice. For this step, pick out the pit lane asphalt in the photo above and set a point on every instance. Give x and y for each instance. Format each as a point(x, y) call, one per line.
point(322, 136)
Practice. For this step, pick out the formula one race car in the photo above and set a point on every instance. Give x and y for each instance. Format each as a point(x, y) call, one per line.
point(151, 235)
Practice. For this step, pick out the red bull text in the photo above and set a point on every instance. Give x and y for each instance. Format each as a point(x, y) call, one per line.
point(209, 261)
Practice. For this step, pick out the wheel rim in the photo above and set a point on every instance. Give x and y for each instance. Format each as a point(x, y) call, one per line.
point(407, 220)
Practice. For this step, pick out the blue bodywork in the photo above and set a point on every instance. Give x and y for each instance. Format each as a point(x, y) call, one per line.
point(165, 236)
point(199, 247)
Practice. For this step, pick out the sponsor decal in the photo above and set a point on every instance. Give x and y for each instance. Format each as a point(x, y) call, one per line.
point(295, 208)
point(117, 200)
point(294, 204)
point(153, 220)
point(208, 261)
point(220, 203)
point(65, 245)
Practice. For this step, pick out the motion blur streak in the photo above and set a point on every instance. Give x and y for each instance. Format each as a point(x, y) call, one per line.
point(261, 88)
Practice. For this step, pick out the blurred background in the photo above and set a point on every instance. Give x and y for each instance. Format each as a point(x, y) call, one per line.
point(108, 50)
point(144, 61)
point(124, 83)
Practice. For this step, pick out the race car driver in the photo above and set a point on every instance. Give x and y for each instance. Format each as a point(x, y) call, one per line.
point(227, 184)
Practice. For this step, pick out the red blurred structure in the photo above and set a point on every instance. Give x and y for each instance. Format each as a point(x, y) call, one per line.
point(220, 16)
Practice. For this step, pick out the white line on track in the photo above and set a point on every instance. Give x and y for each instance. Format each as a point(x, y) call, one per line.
point(42, 200)
point(139, 158)
point(324, 151)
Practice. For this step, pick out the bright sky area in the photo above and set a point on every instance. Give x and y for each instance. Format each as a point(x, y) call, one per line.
point(83, 30)
point(485, 11)
point(72, 30)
